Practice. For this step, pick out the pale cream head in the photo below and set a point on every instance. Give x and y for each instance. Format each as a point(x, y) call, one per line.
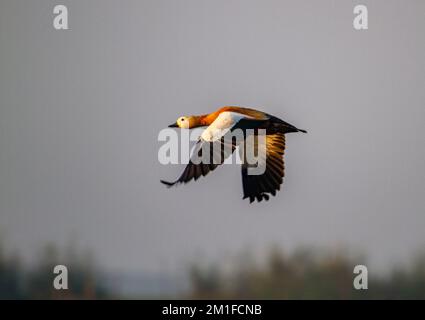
point(183, 122)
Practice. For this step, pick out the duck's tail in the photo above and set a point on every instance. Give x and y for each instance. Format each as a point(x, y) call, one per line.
point(285, 127)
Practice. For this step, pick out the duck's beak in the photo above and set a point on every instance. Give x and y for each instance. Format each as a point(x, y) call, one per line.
point(174, 125)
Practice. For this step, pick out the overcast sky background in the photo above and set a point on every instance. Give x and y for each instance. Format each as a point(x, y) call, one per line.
point(80, 112)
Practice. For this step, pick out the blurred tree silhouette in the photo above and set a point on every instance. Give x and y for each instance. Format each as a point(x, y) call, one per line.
point(304, 275)
point(37, 282)
point(10, 277)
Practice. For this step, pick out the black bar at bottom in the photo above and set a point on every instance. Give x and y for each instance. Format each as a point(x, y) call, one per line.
point(209, 309)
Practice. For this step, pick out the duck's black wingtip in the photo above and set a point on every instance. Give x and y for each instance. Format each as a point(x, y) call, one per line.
point(168, 184)
point(302, 130)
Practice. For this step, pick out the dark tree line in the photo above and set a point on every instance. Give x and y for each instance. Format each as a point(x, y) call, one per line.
point(36, 282)
point(304, 275)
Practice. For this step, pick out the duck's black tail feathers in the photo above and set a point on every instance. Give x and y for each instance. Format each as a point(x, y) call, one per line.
point(284, 126)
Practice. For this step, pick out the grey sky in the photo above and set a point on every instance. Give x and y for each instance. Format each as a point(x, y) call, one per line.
point(80, 111)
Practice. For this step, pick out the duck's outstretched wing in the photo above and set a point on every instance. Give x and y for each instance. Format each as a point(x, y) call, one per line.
point(259, 187)
point(214, 146)
point(207, 155)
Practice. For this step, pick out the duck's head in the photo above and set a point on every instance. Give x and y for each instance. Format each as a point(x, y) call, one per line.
point(186, 122)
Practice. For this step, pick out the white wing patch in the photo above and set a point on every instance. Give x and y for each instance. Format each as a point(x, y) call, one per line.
point(220, 126)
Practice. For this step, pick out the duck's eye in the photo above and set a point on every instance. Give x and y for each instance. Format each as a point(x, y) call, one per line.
point(182, 119)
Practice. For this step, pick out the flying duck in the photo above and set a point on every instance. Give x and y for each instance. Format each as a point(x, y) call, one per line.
point(229, 118)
